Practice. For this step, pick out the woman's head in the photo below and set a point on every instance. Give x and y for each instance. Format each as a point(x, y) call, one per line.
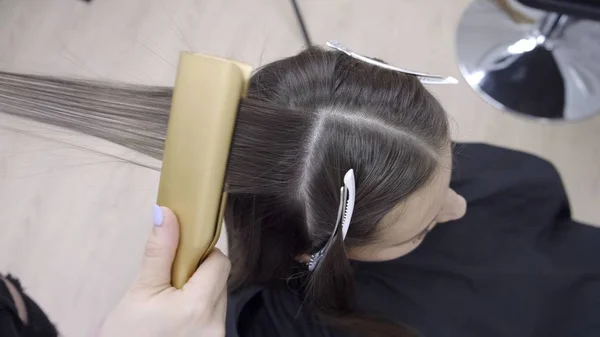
point(310, 119)
point(337, 113)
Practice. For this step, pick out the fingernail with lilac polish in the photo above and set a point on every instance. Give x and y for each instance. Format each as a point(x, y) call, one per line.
point(158, 216)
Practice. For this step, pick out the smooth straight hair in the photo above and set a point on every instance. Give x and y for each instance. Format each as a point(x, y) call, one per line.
point(308, 119)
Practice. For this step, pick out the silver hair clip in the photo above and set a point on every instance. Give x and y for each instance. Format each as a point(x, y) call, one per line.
point(424, 78)
point(345, 210)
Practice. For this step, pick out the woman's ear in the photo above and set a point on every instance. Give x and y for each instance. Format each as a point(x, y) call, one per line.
point(454, 208)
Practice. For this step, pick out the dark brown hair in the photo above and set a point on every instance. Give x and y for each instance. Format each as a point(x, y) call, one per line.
point(308, 119)
point(287, 168)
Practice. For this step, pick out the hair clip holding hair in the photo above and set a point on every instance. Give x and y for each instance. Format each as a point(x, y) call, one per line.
point(424, 78)
point(345, 210)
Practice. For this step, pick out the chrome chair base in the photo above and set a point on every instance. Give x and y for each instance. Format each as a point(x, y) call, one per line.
point(548, 69)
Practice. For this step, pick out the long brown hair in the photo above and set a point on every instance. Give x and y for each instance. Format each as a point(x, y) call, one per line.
point(308, 119)
point(287, 169)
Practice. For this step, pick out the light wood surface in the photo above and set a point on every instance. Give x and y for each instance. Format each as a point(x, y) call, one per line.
point(75, 216)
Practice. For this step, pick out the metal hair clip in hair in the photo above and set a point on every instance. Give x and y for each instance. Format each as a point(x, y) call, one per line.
point(345, 210)
point(424, 78)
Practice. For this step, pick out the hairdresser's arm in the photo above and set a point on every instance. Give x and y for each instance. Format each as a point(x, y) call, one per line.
point(152, 308)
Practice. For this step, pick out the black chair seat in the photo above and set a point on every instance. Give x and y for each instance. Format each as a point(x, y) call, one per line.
point(583, 9)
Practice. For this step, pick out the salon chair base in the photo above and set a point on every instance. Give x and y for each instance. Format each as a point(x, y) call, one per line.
point(547, 68)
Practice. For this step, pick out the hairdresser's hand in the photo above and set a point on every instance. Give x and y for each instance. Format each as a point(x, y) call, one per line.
point(152, 308)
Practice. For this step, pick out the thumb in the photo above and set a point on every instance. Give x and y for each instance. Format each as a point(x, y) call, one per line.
point(160, 251)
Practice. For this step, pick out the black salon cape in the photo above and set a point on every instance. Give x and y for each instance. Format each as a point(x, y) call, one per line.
point(515, 265)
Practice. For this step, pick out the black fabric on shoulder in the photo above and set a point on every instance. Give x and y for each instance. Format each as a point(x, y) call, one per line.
point(10, 323)
point(515, 265)
point(270, 312)
point(239, 312)
point(39, 325)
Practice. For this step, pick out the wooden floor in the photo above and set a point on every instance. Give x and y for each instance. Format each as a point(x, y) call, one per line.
point(75, 218)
